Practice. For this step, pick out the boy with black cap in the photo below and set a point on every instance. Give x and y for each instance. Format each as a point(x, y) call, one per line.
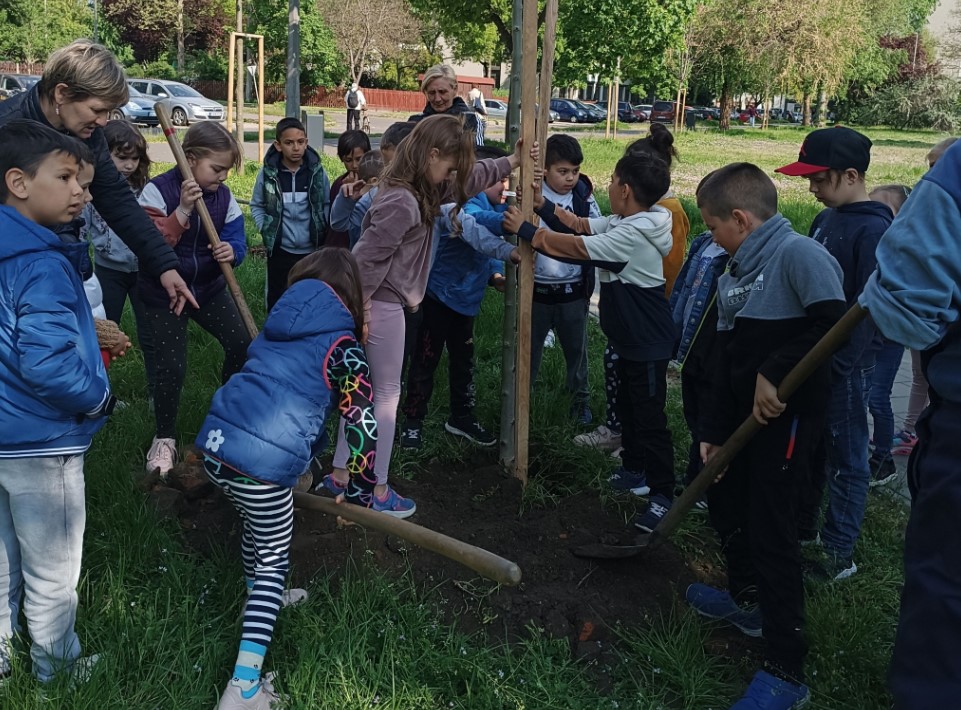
point(835, 161)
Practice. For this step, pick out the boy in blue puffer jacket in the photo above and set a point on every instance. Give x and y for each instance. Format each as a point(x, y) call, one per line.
point(54, 394)
point(266, 424)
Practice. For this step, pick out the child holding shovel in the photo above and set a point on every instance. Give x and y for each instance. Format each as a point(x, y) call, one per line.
point(266, 424)
point(170, 200)
point(781, 293)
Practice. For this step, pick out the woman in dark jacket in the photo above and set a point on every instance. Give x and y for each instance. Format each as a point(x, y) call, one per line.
point(81, 84)
point(440, 88)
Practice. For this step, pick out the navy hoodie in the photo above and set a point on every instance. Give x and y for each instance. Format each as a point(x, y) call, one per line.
point(851, 234)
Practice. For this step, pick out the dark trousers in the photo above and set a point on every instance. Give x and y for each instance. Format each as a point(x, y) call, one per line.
point(569, 322)
point(926, 666)
point(645, 436)
point(117, 287)
point(441, 327)
point(754, 510)
point(353, 119)
point(219, 317)
point(279, 264)
point(610, 388)
point(695, 397)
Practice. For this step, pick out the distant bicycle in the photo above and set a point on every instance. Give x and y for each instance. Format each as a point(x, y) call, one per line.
point(364, 121)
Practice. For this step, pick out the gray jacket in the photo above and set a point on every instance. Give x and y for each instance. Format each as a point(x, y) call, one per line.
point(109, 251)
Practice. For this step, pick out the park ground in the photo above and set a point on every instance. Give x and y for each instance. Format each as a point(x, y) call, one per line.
point(391, 626)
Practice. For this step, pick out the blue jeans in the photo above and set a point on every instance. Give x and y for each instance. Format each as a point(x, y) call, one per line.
point(42, 518)
point(848, 474)
point(886, 366)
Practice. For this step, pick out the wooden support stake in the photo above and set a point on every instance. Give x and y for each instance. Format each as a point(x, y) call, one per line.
point(260, 99)
point(525, 270)
point(231, 55)
point(547, 73)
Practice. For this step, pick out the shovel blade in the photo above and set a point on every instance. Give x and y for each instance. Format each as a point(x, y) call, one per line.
point(601, 551)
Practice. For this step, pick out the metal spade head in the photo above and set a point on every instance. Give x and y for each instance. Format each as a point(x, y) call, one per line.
point(601, 551)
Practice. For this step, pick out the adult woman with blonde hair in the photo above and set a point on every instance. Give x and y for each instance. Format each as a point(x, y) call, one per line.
point(81, 84)
point(439, 86)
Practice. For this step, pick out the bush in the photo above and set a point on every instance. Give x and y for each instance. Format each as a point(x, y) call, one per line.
point(926, 102)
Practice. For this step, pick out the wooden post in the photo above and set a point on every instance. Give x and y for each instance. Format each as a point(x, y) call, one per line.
point(241, 69)
point(617, 97)
point(525, 270)
point(607, 122)
point(260, 98)
point(509, 331)
point(292, 104)
point(231, 55)
point(547, 73)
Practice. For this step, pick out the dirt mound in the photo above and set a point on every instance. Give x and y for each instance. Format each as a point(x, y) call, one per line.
point(580, 600)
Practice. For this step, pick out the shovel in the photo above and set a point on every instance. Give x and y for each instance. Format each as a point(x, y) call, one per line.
point(823, 349)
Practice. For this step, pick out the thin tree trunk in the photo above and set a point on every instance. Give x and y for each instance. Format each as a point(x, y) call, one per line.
point(806, 109)
point(822, 108)
point(181, 49)
point(726, 102)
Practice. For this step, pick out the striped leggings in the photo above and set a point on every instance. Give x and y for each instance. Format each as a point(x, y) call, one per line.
point(267, 512)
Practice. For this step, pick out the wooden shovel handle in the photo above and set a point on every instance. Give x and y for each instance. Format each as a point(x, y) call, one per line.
point(478, 559)
point(822, 350)
point(208, 224)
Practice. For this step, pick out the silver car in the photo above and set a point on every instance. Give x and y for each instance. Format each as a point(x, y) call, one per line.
point(138, 109)
point(498, 109)
point(184, 103)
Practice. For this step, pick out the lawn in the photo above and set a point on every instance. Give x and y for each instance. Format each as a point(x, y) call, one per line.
point(165, 617)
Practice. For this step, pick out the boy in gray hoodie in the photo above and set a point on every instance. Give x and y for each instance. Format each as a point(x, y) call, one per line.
point(781, 293)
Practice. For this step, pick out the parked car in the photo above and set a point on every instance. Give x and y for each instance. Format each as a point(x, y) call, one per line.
point(498, 109)
point(568, 110)
point(13, 84)
point(138, 109)
point(665, 111)
point(643, 112)
point(595, 113)
point(184, 103)
point(625, 112)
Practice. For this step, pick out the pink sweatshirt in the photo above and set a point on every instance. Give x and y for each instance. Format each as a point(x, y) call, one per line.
point(395, 248)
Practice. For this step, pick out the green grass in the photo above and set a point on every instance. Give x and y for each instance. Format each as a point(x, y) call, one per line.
point(165, 619)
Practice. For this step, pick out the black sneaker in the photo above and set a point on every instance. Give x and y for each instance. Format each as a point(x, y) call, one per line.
point(882, 471)
point(581, 413)
point(471, 429)
point(410, 434)
point(829, 569)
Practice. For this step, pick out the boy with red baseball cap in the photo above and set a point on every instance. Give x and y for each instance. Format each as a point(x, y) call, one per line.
point(835, 161)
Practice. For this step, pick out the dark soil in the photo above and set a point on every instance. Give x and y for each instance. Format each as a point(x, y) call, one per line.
point(577, 599)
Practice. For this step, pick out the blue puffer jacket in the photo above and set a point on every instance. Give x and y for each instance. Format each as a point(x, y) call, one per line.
point(267, 419)
point(50, 365)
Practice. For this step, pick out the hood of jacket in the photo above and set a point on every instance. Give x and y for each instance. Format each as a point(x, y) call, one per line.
point(274, 157)
point(655, 225)
point(757, 249)
point(307, 309)
point(34, 238)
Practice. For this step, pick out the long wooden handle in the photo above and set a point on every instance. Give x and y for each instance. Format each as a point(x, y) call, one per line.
point(228, 271)
point(478, 559)
point(822, 350)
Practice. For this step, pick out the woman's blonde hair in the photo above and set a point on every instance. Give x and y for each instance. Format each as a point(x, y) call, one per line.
point(88, 70)
point(409, 169)
point(208, 137)
point(438, 71)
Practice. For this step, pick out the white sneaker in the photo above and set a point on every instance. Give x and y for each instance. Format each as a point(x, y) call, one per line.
point(550, 339)
point(162, 456)
point(263, 698)
point(601, 438)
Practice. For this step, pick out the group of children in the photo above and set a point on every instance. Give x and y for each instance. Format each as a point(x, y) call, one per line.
point(424, 215)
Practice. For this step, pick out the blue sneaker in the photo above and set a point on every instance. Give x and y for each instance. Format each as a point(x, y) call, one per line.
point(394, 504)
point(633, 481)
point(768, 692)
point(331, 484)
point(657, 508)
point(718, 604)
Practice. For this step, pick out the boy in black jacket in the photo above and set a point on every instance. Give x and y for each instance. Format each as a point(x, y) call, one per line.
point(835, 161)
point(782, 292)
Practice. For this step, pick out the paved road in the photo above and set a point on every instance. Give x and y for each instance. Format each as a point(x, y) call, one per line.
point(336, 122)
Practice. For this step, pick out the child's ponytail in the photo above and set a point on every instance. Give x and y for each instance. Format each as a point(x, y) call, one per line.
point(659, 143)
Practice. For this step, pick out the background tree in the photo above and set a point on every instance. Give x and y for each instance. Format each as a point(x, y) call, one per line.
point(320, 61)
point(368, 31)
point(30, 30)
